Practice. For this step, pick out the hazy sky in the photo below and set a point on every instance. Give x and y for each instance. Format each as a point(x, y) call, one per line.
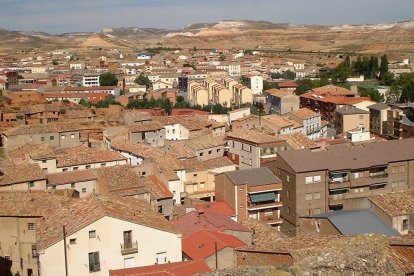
point(57, 16)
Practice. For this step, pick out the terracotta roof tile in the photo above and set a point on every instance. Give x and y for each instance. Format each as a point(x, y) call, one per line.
point(12, 174)
point(201, 244)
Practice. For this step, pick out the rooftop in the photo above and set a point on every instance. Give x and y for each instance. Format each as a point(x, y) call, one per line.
point(201, 244)
point(253, 177)
point(379, 106)
point(42, 128)
point(355, 222)
point(351, 111)
point(252, 136)
point(395, 204)
point(343, 157)
point(305, 113)
point(188, 268)
point(22, 173)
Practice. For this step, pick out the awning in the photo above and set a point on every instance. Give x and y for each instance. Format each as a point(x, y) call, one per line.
point(338, 189)
point(379, 184)
point(255, 198)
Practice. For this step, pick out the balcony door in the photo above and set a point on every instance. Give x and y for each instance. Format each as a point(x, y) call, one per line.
point(127, 239)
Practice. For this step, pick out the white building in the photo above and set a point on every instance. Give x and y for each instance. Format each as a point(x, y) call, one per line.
point(105, 233)
point(90, 80)
point(256, 84)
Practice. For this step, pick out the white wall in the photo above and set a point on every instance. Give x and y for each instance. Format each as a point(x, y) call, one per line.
point(109, 237)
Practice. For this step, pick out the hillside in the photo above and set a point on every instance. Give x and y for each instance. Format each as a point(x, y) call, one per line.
point(395, 38)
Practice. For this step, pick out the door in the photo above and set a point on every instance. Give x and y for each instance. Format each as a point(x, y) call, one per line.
point(127, 239)
point(161, 258)
point(129, 262)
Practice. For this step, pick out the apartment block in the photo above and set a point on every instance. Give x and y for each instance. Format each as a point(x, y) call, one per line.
point(252, 193)
point(248, 148)
point(378, 118)
point(318, 182)
point(280, 102)
point(351, 118)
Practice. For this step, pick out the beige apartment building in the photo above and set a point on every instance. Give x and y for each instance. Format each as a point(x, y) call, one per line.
point(318, 182)
point(249, 148)
point(350, 118)
point(198, 94)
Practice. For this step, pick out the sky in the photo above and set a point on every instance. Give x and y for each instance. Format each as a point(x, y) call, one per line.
point(59, 16)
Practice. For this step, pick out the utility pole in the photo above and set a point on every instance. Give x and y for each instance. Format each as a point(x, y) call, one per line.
point(66, 256)
point(215, 250)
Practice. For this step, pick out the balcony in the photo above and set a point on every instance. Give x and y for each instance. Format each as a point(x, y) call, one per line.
point(129, 248)
point(378, 175)
point(266, 205)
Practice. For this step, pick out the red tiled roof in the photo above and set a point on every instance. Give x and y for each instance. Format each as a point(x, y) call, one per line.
point(160, 186)
point(171, 269)
point(201, 244)
point(219, 208)
point(194, 221)
point(286, 84)
point(188, 111)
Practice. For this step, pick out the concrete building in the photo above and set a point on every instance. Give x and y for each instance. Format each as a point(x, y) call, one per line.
point(318, 182)
point(256, 84)
point(253, 193)
point(350, 118)
point(19, 211)
point(280, 102)
point(63, 135)
point(378, 118)
point(118, 233)
point(249, 148)
point(90, 80)
point(152, 134)
point(311, 121)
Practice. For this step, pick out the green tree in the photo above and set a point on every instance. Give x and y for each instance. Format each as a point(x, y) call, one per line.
point(108, 79)
point(303, 86)
point(406, 83)
point(342, 71)
point(383, 67)
point(143, 80)
point(374, 94)
point(394, 94)
point(289, 75)
point(269, 85)
point(167, 106)
point(85, 103)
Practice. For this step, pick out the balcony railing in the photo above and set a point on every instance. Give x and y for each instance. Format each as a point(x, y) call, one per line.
point(378, 175)
point(129, 248)
point(338, 180)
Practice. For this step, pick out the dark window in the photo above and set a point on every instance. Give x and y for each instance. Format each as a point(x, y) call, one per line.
point(34, 251)
point(72, 241)
point(52, 138)
point(92, 234)
point(94, 264)
point(405, 224)
point(31, 226)
point(31, 184)
point(127, 239)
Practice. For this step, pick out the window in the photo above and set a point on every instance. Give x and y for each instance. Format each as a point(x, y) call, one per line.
point(64, 169)
point(92, 234)
point(83, 190)
point(210, 152)
point(31, 184)
point(405, 224)
point(194, 175)
point(34, 251)
point(161, 258)
point(201, 154)
point(72, 241)
point(218, 150)
point(402, 168)
point(358, 175)
point(241, 189)
point(308, 180)
point(44, 161)
point(316, 195)
point(316, 179)
point(143, 173)
point(309, 196)
point(316, 211)
point(268, 212)
point(94, 264)
point(394, 169)
point(75, 168)
point(31, 226)
point(103, 164)
point(72, 185)
point(62, 137)
point(202, 185)
point(287, 194)
point(72, 136)
point(394, 184)
point(287, 178)
point(241, 206)
point(87, 166)
point(288, 210)
point(51, 138)
point(160, 209)
point(42, 139)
